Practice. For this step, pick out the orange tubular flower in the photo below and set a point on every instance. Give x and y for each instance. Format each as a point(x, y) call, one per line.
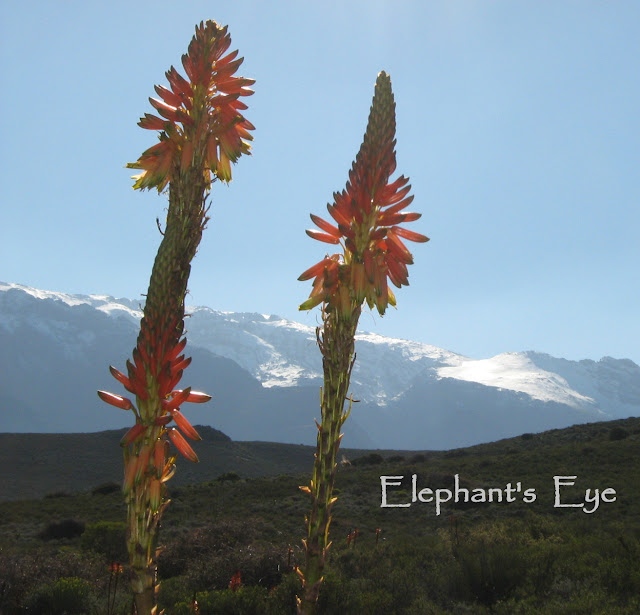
point(201, 122)
point(366, 216)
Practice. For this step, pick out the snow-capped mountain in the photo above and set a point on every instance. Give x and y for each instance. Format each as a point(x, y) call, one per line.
point(264, 372)
point(280, 352)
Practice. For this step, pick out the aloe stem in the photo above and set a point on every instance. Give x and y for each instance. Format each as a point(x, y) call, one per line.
point(336, 342)
point(365, 218)
point(201, 133)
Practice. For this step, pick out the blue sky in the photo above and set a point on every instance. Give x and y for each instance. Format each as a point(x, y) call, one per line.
point(518, 125)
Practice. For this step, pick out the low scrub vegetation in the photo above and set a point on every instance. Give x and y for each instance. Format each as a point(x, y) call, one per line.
point(231, 545)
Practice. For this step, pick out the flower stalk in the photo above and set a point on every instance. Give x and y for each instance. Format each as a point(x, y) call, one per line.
point(366, 215)
point(201, 131)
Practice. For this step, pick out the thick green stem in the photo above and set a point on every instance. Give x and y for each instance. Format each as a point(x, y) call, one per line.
point(336, 342)
point(186, 219)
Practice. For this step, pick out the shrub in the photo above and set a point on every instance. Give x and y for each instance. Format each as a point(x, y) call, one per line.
point(106, 488)
point(56, 530)
point(68, 595)
point(370, 459)
point(211, 555)
point(259, 564)
point(375, 601)
point(423, 606)
point(228, 477)
point(282, 598)
point(491, 567)
point(107, 538)
point(244, 601)
point(57, 494)
point(336, 597)
point(172, 592)
point(395, 458)
point(618, 433)
point(22, 573)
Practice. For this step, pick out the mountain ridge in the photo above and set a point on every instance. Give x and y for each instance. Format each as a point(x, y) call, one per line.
point(265, 371)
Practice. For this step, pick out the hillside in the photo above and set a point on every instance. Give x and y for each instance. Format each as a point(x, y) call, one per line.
point(475, 557)
point(44, 464)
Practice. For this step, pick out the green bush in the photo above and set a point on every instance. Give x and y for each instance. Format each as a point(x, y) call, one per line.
point(395, 458)
point(336, 596)
point(232, 477)
point(244, 601)
point(173, 591)
point(57, 494)
point(423, 606)
point(491, 572)
point(56, 530)
point(370, 459)
point(68, 595)
point(107, 538)
point(22, 573)
point(618, 433)
point(282, 598)
point(208, 557)
point(106, 488)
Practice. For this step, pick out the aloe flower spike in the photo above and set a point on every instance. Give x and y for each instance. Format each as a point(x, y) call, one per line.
point(202, 130)
point(367, 214)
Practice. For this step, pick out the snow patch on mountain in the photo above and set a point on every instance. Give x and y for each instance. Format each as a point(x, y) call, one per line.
point(516, 371)
point(104, 303)
point(386, 367)
point(609, 382)
point(274, 350)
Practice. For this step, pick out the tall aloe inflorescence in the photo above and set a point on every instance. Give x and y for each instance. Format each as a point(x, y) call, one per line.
point(366, 215)
point(202, 130)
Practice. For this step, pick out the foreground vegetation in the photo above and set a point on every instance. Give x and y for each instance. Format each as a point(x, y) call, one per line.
point(56, 553)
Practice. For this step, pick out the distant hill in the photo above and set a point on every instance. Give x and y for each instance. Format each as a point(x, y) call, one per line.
point(46, 464)
point(43, 464)
point(264, 373)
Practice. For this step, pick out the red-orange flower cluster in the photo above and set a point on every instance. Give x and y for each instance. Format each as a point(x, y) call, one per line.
point(236, 582)
point(366, 215)
point(201, 121)
point(156, 370)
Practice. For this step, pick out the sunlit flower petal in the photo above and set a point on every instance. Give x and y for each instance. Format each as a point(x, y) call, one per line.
point(322, 236)
point(178, 397)
point(116, 400)
point(197, 397)
point(410, 235)
point(185, 426)
point(182, 445)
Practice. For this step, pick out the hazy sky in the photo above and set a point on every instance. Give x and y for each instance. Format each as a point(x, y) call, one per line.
point(518, 124)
